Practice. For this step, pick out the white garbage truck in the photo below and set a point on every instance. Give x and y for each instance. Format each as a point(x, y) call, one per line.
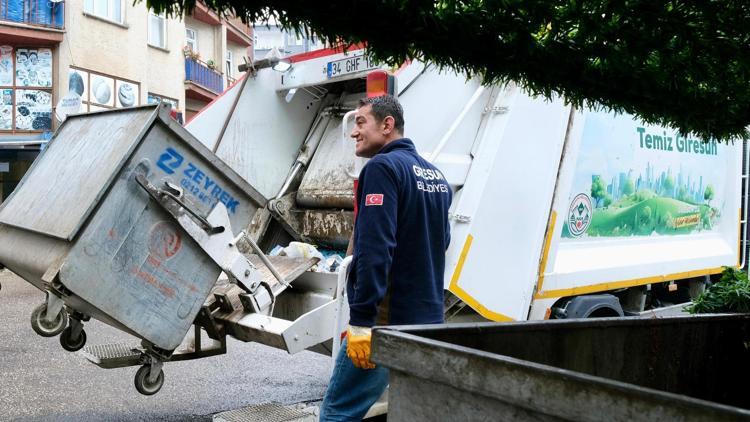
point(557, 212)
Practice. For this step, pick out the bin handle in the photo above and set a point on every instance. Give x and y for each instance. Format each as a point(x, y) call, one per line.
point(159, 194)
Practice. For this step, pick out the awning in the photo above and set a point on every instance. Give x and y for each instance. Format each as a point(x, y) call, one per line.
point(24, 141)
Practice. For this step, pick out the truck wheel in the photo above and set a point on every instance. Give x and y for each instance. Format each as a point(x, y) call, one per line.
point(72, 344)
point(142, 383)
point(45, 328)
point(588, 306)
point(603, 313)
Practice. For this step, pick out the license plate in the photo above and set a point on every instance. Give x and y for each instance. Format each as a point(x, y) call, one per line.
point(349, 65)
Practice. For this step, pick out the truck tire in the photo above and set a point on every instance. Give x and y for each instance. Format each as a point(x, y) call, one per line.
point(590, 306)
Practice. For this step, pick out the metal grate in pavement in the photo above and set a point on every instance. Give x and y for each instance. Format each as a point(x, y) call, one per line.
point(267, 412)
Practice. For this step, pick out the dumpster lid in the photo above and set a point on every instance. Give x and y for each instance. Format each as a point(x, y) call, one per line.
point(54, 198)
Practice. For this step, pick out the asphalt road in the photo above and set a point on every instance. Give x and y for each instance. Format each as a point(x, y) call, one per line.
point(39, 381)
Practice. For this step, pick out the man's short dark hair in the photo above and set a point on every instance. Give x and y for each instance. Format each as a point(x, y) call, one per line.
point(384, 106)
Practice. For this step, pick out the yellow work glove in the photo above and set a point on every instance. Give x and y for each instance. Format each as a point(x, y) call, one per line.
point(358, 346)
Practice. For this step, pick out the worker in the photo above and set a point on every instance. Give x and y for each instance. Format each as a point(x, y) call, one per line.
point(401, 233)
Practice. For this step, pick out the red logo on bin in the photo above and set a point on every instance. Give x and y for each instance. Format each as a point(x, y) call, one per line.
point(164, 240)
point(374, 199)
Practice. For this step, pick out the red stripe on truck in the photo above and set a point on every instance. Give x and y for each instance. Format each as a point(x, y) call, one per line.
point(315, 54)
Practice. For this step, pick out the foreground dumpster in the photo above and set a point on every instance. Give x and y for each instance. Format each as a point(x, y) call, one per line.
point(128, 219)
point(632, 369)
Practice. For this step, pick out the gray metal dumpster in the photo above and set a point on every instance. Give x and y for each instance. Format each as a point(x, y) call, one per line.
point(630, 369)
point(102, 223)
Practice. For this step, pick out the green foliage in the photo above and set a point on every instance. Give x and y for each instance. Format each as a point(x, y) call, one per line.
point(706, 220)
point(598, 189)
point(644, 194)
point(629, 187)
point(668, 185)
point(708, 195)
point(636, 198)
point(654, 215)
point(679, 63)
point(645, 220)
point(730, 294)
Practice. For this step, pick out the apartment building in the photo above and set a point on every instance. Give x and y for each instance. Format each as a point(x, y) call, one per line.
point(112, 54)
point(214, 47)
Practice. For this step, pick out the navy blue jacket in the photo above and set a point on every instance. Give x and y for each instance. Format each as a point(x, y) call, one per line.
point(400, 237)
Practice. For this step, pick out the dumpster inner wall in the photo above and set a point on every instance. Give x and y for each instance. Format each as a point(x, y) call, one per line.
point(702, 358)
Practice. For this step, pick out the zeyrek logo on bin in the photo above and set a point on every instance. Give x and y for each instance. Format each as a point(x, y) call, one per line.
point(196, 181)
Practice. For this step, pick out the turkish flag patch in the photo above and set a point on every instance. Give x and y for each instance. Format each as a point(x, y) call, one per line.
point(374, 199)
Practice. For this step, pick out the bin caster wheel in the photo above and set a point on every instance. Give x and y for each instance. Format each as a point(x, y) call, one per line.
point(142, 383)
point(45, 328)
point(69, 343)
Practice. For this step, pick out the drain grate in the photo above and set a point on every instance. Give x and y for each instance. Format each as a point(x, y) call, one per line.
point(267, 412)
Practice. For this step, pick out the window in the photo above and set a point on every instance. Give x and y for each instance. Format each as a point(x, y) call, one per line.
point(107, 9)
point(230, 63)
point(154, 98)
point(157, 30)
point(99, 91)
point(191, 39)
point(26, 82)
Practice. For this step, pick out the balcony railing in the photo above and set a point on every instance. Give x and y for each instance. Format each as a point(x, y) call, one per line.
point(34, 12)
point(198, 72)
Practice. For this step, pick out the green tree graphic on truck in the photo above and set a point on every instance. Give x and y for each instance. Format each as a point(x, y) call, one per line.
point(644, 212)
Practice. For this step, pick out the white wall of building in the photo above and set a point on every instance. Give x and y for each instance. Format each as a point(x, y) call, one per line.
point(207, 38)
point(122, 50)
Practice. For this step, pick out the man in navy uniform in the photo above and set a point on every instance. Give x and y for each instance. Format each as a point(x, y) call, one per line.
point(400, 237)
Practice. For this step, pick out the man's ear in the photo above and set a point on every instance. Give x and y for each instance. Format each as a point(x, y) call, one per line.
point(388, 125)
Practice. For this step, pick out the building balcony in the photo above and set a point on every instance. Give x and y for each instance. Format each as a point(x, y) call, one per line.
point(42, 13)
point(202, 82)
point(202, 13)
point(32, 22)
point(238, 32)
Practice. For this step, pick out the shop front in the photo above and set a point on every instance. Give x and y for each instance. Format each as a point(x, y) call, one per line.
point(15, 160)
point(26, 119)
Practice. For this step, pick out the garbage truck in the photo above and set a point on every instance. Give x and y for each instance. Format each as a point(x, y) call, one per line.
point(558, 212)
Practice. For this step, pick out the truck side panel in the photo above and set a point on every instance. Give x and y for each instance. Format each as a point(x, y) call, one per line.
point(432, 103)
point(501, 213)
point(639, 204)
